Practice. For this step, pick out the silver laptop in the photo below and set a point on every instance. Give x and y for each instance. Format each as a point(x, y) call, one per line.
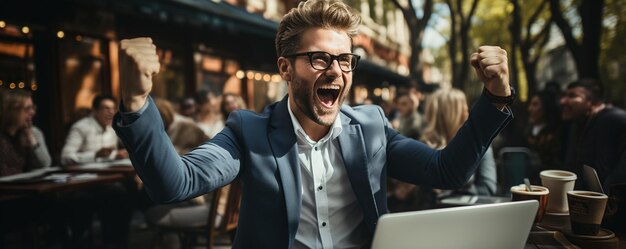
point(490, 226)
point(466, 200)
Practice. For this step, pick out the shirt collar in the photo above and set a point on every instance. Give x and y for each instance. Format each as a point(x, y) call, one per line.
point(333, 133)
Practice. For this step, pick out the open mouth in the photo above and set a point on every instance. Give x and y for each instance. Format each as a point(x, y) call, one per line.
point(328, 95)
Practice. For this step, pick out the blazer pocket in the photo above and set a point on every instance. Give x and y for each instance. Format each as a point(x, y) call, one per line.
point(379, 151)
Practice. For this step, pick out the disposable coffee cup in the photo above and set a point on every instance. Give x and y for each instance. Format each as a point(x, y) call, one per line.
point(539, 193)
point(559, 182)
point(586, 209)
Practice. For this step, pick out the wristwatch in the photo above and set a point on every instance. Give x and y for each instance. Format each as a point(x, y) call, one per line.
point(500, 99)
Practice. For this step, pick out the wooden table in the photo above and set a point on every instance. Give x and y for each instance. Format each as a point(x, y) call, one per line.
point(560, 226)
point(14, 190)
point(119, 166)
point(116, 169)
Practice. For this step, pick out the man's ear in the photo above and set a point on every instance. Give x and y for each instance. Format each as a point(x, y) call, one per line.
point(284, 66)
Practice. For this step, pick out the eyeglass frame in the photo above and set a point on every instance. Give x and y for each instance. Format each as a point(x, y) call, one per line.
point(332, 58)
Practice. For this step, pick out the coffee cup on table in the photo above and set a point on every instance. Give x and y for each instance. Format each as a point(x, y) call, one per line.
point(558, 182)
point(539, 193)
point(586, 209)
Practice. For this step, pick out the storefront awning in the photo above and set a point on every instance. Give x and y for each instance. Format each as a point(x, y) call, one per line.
point(219, 16)
point(371, 74)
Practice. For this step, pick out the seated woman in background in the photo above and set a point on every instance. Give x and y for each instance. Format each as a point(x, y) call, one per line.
point(185, 135)
point(230, 103)
point(446, 111)
point(543, 135)
point(22, 145)
point(183, 131)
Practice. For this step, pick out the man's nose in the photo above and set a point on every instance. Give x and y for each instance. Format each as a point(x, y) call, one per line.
point(334, 69)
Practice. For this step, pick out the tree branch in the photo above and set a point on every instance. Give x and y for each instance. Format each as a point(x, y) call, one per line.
point(470, 14)
point(566, 29)
point(459, 9)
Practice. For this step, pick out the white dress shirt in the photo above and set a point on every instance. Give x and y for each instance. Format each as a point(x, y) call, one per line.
point(85, 138)
point(331, 216)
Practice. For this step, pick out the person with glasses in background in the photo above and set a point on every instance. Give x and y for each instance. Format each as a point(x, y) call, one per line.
point(22, 145)
point(314, 171)
point(89, 140)
point(92, 138)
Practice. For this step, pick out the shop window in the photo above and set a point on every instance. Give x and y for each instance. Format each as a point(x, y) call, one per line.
point(264, 88)
point(17, 67)
point(82, 74)
point(217, 74)
point(171, 82)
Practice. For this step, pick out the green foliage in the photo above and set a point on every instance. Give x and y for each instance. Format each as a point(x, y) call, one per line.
point(613, 53)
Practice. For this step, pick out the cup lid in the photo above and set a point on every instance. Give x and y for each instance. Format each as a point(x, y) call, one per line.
point(536, 190)
point(558, 175)
point(587, 194)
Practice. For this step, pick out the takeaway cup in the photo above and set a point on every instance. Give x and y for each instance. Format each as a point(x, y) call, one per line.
point(558, 182)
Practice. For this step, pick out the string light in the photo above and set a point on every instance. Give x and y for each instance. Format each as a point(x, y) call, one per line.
point(12, 85)
point(20, 85)
point(60, 34)
point(276, 78)
point(258, 76)
point(240, 74)
point(250, 75)
point(2, 24)
point(267, 77)
point(79, 38)
point(25, 30)
point(378, 92)
point(1, 82)
point(33, 86)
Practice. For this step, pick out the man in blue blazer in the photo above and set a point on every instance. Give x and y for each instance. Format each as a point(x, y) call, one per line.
point(314, 170)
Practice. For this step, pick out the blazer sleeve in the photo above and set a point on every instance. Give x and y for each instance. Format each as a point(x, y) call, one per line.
point(167, 176)
point(414, 162)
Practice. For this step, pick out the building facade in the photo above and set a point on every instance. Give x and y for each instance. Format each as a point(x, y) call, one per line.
point(66, 51)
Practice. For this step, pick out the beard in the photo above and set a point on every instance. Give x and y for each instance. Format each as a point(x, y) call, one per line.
point(307, 101)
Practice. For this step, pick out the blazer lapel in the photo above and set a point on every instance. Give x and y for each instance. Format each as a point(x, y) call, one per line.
point(352, 146)
point(284, 147)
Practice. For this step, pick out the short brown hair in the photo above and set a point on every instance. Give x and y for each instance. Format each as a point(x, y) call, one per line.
point(328, 14)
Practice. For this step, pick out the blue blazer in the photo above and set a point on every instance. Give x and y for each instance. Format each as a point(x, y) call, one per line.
point(261, 149)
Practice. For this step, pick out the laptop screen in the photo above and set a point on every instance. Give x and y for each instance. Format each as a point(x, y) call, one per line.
point(497, 226)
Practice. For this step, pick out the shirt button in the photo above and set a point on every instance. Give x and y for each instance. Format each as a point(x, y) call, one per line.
point(320, 188)
point(323, 224)
point(315, 148)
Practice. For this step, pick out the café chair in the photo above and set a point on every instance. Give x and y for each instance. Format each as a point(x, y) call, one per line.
point(223, 214)
point(514, 165)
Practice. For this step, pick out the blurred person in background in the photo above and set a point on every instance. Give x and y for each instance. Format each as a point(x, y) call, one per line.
point(185, 136)
point(187, 107)
point(208, 116)
point(183, 131)
point(408, 121)
point(22, 145)
point(544, 134)
point(92, 138)
point(597, 136)
point(446, 111)
point(231, 102)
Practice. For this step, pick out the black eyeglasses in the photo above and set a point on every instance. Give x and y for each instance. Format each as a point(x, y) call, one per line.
point(321, 60)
